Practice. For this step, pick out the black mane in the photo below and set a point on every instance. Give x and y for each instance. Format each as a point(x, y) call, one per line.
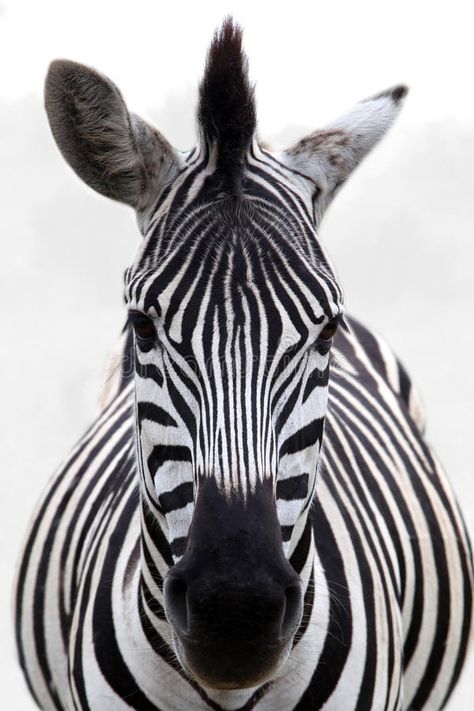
point(226, 111)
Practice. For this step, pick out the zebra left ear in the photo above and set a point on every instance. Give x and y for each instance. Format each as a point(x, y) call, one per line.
point(114, 151)
point(328, 156)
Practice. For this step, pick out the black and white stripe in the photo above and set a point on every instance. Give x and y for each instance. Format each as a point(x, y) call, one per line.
point(236, 385)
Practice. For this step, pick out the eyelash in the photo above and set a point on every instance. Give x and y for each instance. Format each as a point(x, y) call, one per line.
point(143, 327)
point(329, 331)
point(326, 336)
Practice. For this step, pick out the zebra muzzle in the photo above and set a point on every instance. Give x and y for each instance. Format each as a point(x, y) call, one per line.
point(233, 600)
point(230, 636)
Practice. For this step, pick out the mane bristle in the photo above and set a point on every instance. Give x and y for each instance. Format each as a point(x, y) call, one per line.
point(226, 111)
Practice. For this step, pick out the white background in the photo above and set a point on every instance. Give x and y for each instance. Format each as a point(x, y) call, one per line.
point(400, 233)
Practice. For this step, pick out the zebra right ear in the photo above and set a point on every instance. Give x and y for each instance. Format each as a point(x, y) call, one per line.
point(113, 151)
point(327, 157)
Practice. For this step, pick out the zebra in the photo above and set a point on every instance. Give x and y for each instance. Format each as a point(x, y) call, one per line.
point(200, 547)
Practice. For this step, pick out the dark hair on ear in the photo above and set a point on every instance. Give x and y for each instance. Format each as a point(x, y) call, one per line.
point(226, 111)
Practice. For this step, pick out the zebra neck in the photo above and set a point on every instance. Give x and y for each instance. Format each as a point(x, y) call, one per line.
point(155, 561)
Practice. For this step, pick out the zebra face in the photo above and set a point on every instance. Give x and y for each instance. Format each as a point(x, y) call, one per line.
point(233, 328)
point(233, 305)
point(232, 331)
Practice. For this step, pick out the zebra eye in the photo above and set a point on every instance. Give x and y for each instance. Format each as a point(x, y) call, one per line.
point(143, 326)
point(328, 332)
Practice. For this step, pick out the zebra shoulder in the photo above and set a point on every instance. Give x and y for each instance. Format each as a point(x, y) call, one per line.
point(372, 352)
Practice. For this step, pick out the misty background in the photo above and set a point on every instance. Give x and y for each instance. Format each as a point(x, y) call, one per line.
point(400, 233)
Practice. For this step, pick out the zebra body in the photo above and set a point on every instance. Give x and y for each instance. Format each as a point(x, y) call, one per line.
point(207, 456)
point(87, 528)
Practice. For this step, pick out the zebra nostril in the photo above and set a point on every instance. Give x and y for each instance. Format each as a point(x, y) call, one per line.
point(292, 613)
point(176, 605)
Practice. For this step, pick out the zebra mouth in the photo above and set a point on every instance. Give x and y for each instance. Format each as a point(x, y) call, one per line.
point(229, 639)
point(232, 675)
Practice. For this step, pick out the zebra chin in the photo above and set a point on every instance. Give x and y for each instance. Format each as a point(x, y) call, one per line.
point(241, 649)
point(224, 671)
point(233, 601)
point(235, 638)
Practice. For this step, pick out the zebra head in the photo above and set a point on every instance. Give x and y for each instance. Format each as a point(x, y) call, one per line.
point(233, 305)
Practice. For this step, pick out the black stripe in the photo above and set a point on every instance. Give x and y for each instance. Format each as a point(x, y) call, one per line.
point(178, 498)
point(337, 643)
point(155, 413)
point(178, 546)
point(294, 488)
point(305, 437)
point(405, 384)
point(301, 552)
point(149, 370)
point(286, 532)
point(106, 648)
point(167, 453)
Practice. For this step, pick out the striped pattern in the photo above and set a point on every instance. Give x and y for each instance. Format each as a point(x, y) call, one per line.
point(383, 556)
point(239, 386)
point(228, 323)
point(384, 559)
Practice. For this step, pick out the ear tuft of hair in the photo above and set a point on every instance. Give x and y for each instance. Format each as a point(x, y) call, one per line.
point(226, 113)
